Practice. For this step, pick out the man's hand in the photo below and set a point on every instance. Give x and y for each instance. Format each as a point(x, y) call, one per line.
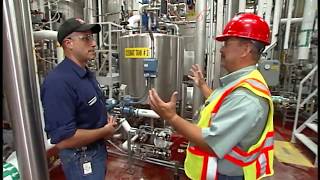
point(199, 81)
point(167, 110)
point(111, 126)
point(197, 75)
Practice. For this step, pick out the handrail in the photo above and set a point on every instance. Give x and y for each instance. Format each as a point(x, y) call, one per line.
point(299, 100)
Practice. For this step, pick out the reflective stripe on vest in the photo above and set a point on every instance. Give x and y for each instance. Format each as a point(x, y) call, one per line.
point(209, 165)
point(255, 83)
point(244, 158)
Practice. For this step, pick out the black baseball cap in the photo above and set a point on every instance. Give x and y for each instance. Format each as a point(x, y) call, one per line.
point(75, 25)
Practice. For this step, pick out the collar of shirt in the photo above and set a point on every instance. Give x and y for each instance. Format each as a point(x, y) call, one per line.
point(79, 71)
point(225, 80)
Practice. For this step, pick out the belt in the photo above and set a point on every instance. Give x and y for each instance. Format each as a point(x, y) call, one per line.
point(91, 146)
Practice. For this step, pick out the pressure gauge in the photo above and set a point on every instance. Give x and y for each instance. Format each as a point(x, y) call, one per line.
point(267, 66)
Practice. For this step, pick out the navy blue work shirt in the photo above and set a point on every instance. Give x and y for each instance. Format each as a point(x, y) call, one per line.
point(71, 100)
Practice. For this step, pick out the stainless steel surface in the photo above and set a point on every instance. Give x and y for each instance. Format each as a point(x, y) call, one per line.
point(307, 29)
point(71, 8)
point(200, 38)
point(168, 50)
point(218, 70)
point(89, 11)
point(288, 25)
point(111, 11)
point(21, 91)
point(210, 44)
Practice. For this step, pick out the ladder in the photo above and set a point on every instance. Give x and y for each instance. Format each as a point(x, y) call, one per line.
point(311, 122)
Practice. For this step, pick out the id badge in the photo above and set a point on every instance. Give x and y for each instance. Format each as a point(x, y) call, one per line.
point(87, 169)
point(86, 166)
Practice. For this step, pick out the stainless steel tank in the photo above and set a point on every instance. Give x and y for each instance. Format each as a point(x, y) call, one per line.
point(168, 50)
point(71, 8)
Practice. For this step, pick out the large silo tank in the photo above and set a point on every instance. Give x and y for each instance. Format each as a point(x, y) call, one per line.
point(168, 50)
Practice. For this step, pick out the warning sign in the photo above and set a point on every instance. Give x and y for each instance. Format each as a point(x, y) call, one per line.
point(137, 53)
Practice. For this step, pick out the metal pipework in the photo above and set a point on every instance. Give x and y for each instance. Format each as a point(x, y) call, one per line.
point(242, 5)
point(264, 9)
point(275, 22)
point(218, 45)
point(45, 34)
point(146, 113)
point(287, 34)
point(211, 44)
point(125, 144)
point(20, 87)
point(292, 20)
point(130, 111)
point(88, 11)
point(171, 26)
point(306, 31)
point(200, 38)
point(133, 19)
point(50, 35)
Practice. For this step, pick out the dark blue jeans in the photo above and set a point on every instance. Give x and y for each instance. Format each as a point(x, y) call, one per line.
point(224, 177)
point(73, 161)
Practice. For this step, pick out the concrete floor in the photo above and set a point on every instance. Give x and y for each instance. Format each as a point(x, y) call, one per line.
point(118, 166)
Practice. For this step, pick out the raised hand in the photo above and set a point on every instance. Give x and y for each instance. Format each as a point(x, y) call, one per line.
point(165, 110)
point(197, 75)
point(111, 126)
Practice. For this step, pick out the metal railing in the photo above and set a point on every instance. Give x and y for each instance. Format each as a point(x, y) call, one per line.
point(310, 122)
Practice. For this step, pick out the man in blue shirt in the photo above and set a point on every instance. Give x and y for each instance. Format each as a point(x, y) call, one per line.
point(74, 111)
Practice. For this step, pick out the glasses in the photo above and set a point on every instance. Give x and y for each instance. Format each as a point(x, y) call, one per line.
point(88, 37)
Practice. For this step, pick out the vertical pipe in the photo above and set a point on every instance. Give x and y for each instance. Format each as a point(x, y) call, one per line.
point(230, 11)
point(60, 54)
point(261, 6)
point(275, 25)
point(183, 99)
point(20, 87)
point(41, 6)
point(218, 45)
point(242, 6)
point(200, 47)
point(210, 42)
point(276, 20)
point(309, 13)
point(288, 25)
point(88, 11)
point(100, 20)
point(49, 14)
point(110, 60)
point(269, 5)
point(179, 65)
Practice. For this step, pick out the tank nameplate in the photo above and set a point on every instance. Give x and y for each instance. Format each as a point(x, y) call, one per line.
point(137, 53)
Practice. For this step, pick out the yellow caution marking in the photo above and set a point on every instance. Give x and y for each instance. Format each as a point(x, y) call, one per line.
point(137, 53)
point(288, 153)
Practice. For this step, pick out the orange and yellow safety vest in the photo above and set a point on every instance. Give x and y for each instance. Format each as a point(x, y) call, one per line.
point(257, 162)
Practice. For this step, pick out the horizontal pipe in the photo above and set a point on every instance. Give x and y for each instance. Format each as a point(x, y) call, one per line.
point(175, 27)
point(146, 113)
point(293, 20)
point(125, 144)
point(124, 123)
point(45, 34)
point(133, 20)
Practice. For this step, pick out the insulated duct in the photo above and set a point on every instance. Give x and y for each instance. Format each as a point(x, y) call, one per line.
point(45, 34)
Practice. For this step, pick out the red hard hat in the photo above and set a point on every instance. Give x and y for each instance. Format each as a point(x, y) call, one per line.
point(247, 25)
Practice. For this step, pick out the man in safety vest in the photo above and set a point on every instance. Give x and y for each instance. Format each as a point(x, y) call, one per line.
point(233, 134)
